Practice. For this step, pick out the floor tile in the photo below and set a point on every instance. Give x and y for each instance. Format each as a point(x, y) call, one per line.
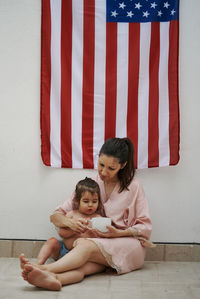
point(166, 280)
point(5, 248)
point(165, 291)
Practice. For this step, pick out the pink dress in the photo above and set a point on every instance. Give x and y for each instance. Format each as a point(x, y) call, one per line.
point(126, 209)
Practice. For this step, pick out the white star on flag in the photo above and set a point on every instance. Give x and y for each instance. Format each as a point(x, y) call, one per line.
point(138, 5)
point(122, 5)
point(145, 14)
point(114, 13)
point(153, 5)
point(173, 12)
point(166, 4)
point(130, 14)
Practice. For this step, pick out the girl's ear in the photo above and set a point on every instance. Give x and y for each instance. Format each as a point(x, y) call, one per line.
point(123, 165)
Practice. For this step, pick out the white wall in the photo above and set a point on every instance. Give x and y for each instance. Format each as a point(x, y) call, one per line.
point(29, 191)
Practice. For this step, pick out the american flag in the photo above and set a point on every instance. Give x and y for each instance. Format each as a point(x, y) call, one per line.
point(109, 69)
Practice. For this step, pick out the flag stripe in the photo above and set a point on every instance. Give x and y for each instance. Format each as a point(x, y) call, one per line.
point(133, 82)
point(55, 131)
point(111, 80)
point(45, 82)
point(66, 70)
point(77, 77)
point(99, 78)
point(143, 95)
point(153, 151)
point(164, 96)
point(88, 83)
point(122, 79)
point(173, 93)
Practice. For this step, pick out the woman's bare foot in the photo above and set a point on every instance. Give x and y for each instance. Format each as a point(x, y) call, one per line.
point(23, 260)
point(41, 278)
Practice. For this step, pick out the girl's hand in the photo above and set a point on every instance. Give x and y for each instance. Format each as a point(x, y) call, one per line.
point(111, 233)
point(78, 225)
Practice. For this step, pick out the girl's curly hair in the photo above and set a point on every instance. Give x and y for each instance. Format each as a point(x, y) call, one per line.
point(84, 185)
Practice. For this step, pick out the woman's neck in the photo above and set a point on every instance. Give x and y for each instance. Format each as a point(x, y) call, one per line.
point(111, 183)
point(109, 187)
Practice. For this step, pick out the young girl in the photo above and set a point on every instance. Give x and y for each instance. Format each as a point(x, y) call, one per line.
point(86, 204)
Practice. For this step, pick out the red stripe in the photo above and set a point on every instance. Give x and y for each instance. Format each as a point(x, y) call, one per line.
point(66, 64)
point(174, 137)
point(153, 121)
point(133, 81)
point(45, 82)
point(111, 80)
point(88, 83)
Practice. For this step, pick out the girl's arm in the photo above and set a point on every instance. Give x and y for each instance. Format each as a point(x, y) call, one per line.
point(65, 232)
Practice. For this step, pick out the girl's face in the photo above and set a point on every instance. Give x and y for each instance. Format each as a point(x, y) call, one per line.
point(88, 203)
point(108, 168)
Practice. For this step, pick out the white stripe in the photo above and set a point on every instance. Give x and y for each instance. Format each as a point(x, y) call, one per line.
point(122, 79)
point(99, 78)
point(164, 96)
point(143, 95)
point(55, 113)
point(77, 78)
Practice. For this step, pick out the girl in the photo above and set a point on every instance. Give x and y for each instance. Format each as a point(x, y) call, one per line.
point(86, 204)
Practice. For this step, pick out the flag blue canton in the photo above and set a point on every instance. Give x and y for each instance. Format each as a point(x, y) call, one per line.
point(137, 11)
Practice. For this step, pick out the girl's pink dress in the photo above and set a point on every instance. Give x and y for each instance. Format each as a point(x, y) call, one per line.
point(126, 209)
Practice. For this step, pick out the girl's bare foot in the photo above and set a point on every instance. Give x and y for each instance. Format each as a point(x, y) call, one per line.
point(23, 260)
point(41, 278)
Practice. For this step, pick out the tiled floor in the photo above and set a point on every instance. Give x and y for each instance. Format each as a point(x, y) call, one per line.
point(161, 280)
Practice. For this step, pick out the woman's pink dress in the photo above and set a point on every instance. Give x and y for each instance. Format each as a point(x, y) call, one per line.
point(126, 209)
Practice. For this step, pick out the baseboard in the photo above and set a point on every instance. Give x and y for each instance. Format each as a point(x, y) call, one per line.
point(162, 251)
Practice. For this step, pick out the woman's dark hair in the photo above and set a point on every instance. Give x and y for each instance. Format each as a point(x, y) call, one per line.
point(122, 149)
point(89, 185)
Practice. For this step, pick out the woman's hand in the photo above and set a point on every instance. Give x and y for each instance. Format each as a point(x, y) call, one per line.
point(111, 233)
point(78, 225)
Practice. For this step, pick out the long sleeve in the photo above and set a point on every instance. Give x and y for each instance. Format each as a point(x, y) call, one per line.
point(141, 220)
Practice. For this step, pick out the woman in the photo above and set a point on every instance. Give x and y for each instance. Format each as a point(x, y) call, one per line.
point(120, 248)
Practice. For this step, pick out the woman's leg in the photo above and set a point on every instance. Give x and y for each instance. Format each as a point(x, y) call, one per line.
point(51, 281)
point(83, 252)
point(77, 275)
point(40, 278)
point(50, 248)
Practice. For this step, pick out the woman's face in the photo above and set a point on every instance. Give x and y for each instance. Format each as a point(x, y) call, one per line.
point(108, 168)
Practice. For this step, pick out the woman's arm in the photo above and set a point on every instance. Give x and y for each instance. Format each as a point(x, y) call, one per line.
point(76, 225)
point(114, 232)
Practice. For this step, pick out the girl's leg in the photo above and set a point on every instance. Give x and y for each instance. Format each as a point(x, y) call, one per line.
point(84, 251)
point(50, 248)
point(51, 281)
point(23, 260)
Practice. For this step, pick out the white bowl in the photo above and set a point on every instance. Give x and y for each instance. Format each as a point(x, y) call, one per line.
point(100, 223)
